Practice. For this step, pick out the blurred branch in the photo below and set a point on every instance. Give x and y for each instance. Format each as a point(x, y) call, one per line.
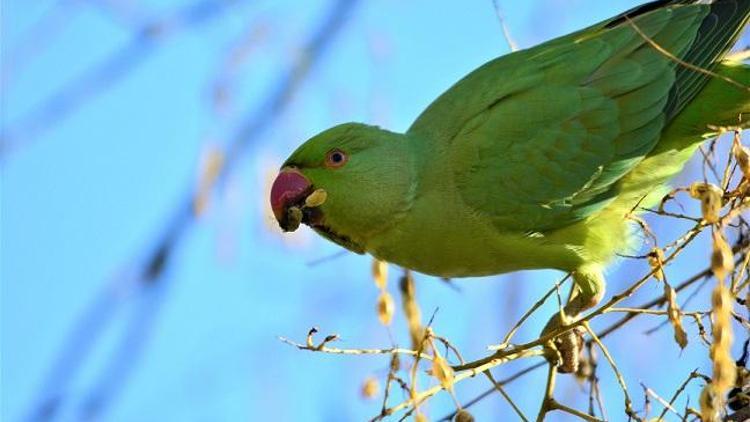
point(123, 12)
point(132, 343)
point(506, 32)
point(37, 38)
point(89, 327)
point(224, 83)
point(105, 74)
point(78, 344)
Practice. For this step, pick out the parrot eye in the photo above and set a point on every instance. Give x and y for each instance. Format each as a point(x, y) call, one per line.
point(336, 158)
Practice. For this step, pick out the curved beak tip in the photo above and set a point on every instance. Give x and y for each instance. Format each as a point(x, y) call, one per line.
point(290, 187)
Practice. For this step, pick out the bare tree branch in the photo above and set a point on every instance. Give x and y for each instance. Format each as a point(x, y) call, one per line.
point(151, 269)
point(104, 75)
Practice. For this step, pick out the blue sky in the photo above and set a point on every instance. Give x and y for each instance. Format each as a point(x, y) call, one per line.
point(85, 196)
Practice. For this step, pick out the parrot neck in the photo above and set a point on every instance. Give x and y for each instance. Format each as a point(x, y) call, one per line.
point(394, 195)
point(380, 192)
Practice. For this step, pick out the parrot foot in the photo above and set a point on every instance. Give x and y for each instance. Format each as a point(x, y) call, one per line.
point(565, 350)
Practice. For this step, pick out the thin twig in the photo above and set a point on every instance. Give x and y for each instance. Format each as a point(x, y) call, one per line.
point(506, 341)
point(677, 393)
point(664, 403)
point(338, 351)
point(683, 63)
point(628, 402)
point(506, 32)
point(488, 392)
point(420, 397)
point(505, 395)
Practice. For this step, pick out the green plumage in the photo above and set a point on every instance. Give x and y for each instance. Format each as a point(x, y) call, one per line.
point(533, 159)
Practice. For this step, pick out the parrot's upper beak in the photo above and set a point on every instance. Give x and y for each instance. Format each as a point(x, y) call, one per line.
point(287, 193)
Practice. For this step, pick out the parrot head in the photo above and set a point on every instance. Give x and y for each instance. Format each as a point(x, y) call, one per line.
point(347, 183)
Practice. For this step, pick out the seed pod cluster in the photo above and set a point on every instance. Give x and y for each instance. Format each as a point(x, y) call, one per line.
point(741, 155)
point(370, 388)
point(656, 261)
point(395, 365)
point(442, 371)
point(411, 308)
point(724, 368)
point(710, 196)
point(675, 316)
point(385, 307)
point(722, 259)
point(463, 415)
point(708, 403)
point(379, 273)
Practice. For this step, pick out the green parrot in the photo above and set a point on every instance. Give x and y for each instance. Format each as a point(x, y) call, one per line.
point(534, 159)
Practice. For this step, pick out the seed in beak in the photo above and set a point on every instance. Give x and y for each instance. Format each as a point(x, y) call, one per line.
point(316, 199)
point(294, 218)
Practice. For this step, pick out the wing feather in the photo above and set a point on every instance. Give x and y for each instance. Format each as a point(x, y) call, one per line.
point(539, 139)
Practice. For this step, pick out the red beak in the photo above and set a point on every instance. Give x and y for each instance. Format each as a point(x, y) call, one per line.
point(289, 188)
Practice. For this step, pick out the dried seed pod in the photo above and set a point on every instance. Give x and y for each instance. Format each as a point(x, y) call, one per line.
point(316, 199)
point(743, 189)
point(724, 367)
point(442, 371)
point(656, 261)
point(709, 408)
point(385, 308)
point(380, 273)
point(463, 415)
point(370, 388)
point(675, 316)
point(420, 417)
point(722, 258)
point(710, 196)
point(742, 155)
point(411, 308)
point(698, 189)
point(395, 363)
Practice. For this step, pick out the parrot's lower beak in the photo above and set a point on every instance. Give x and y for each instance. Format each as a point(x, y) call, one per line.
point(288, 192)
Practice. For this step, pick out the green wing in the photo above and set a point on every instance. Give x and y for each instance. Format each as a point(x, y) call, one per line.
point(538, 139)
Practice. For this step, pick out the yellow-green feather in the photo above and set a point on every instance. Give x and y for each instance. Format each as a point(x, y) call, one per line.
point(718, 104)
